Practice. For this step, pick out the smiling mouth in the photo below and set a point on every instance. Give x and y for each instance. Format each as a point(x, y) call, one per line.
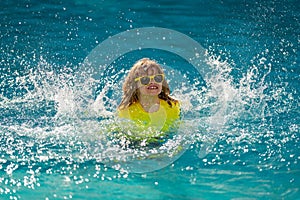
point(152, 87)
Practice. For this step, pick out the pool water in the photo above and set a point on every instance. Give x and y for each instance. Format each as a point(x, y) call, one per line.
point(240, 136)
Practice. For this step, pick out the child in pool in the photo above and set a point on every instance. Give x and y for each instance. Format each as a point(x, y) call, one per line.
point(146, 98)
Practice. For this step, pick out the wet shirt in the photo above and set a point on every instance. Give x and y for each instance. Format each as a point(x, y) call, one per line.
point(163, 120)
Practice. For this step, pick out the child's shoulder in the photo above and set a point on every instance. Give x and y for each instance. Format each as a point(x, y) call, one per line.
point(175, 105)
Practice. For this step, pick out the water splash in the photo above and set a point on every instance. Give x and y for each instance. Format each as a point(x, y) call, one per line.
point(58, 121)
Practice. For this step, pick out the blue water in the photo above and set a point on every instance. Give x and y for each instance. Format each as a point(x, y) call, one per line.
point(242, 122)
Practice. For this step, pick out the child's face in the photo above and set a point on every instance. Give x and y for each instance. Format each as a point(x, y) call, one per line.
point(152, 88)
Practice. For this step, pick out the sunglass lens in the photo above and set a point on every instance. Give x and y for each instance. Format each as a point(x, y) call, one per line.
point(145, 80)
point(158, 78)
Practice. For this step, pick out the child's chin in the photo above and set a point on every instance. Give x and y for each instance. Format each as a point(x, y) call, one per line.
point(153, 92)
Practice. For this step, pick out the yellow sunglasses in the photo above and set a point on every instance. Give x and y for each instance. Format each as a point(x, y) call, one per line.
point(145, 80)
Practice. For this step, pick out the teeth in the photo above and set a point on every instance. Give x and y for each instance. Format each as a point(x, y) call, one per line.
point(152, 87)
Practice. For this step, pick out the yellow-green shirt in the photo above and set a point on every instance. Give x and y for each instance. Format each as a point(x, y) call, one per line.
point(161, 120)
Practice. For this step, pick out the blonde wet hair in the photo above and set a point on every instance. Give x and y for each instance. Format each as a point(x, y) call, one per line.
point(130, 87)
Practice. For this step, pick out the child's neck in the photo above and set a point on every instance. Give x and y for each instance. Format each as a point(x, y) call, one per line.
point(149, 103)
